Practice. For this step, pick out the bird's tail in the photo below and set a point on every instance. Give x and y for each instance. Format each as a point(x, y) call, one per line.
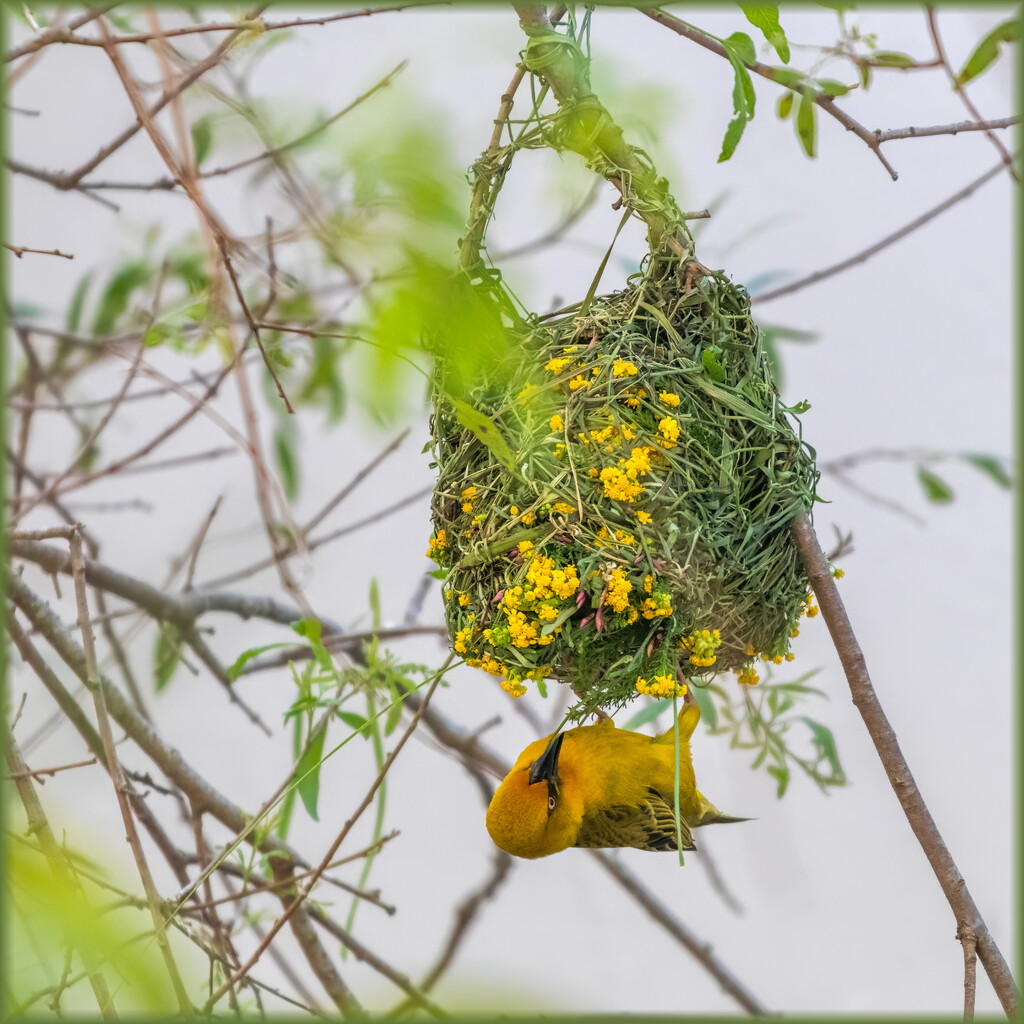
point(709, 814)
point(688, 719)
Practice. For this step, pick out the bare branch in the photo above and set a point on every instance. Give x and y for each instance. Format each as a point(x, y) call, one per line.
point(20, 250)
point(954, 887)
point(945, 129)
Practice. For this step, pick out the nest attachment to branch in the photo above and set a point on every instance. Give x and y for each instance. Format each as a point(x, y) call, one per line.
point(614, 498)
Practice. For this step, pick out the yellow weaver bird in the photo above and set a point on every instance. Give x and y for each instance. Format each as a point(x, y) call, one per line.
point(598, 786)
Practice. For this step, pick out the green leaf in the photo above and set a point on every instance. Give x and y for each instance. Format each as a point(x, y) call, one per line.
point(486, 430)
point(892, 59)
point(743, 99)
point(707, 706)
point(805, 122)
point(542, 688)
point(353, 720)
point(712, 366)
point(781, 776)
point(653, 711)
point(116, 296)
point(284, 456)
point(991, 467)
point(830, 87)
point(826, 744)
point(202, 139)
point(766, 18)
point(394, 715)
point(785, 105)
point(307, 772)
point(308, 628)
point(77, 304)
point(740, 44)
point(986, 52)
point(166, 655)
point(935, 489)
point(235, 670)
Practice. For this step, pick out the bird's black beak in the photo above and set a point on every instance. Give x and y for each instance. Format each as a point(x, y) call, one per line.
point(545, 768)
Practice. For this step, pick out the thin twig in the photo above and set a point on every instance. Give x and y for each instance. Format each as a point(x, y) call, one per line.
point(121, 786)
point(872, 250)
point(20, 250)
point(945, 129)
point(940, 53)
point(823, 100)
point(953, 885)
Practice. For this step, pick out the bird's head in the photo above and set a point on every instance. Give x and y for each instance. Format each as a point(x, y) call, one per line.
point(537, 809)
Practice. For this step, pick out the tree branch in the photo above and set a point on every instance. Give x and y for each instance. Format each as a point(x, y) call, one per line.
point(954, 887)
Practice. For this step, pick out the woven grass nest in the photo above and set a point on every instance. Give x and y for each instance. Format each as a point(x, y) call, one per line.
point(625, 528)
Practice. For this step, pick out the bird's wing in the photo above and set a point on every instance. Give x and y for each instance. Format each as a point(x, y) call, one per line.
point(650, 825)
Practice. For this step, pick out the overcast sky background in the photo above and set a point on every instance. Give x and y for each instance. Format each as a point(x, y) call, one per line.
point(841, 912)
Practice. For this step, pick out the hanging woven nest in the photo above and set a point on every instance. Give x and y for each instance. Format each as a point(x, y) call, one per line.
point(613, 501)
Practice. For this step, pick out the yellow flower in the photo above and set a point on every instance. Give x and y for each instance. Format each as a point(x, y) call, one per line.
point(669, 430)
point(624, 538)
point(529, 518)
point(525, 547)
point(547, 612)
point(592, 472)
point(643, 517)
point(469, 494)
point(619, 587)
point(437, 543)
point(557, 365)
point(648, 583)
point(555, 423)
point(513, 511)
point(618, 486)
point(749, 651)
point(513, 689)
point(623, 368)
point(467, 506)
point(562, 508)
point(790, 656)
point(578, 382)
point(527, 391)
point(748, 677)
point(702, 644)
point(463, 599)
point(659, 604)
point(661, 686)
point(667, 398)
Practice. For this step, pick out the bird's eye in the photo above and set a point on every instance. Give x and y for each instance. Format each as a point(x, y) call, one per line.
point(551, 803)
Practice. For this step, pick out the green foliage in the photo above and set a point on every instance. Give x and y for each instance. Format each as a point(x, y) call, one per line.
point(806, 122)
point(760, 718)
point(766, 18)
point(739, 48)
point(988, 50)
point(935, 489)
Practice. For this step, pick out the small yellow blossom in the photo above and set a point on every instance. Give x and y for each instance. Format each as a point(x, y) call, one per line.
point(667, 398)
point(659, 604)
point(513, 511)
point(547, 612)
point(557, 365)
point(463, 599)
point(437, 543)
point(643, 517)
point(578, 382)
point(661, 686)
point(790, 656)
point(592, 472)
point(624, 538)
point(529, 518)
point(513, 689)
point(562, 508)
point(467, 506)
point(748, 677)
point(525, 547)
point(618, 485)
point(669, 430)
point(619, 588)
point(702, 644)
point(648, 583)
point(839, 573)
point(623, 368)
point(749, 651)
point(795, 631)
point(555, 423)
